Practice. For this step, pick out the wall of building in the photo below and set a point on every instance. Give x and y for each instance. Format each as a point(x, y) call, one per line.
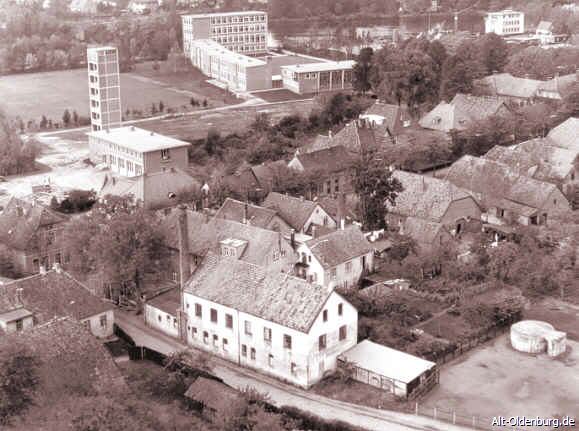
point(9, 327)
point(161, 320)
point(270, 356)
point(461, 209)
point(258, 78)
point(179, 158)
point(101, 325)
point(321, 218)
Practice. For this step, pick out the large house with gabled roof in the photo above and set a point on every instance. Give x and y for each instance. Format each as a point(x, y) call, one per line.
point(253, 215)
point(275, 323)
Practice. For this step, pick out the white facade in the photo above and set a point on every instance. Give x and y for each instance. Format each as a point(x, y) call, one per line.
point(240, 32)
point(504, 23)
point(101, 325)
point(162, 320)
point(346, 274)
point(16, 321)
point(104, 87)
point(285, 353)
point(318, 77)
point(319, 217)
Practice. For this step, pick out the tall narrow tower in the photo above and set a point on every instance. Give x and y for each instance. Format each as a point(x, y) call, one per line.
point(104, 87)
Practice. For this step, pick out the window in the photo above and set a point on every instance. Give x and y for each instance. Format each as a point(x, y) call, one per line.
point(252, 353)
point(348, 267)
point(205, 337)
point(19, 325)
point(50, 236)
point(322, 342)
point(333, 273)
point(340, 309)
point(165, 155)
point(276, 255)
point(267, 335)
point(194, 331)
point(86, 323)
point(215, 340)
point(248, 328)
point(293, 368)
point(103, 321)
point(325, 315)
point(270, 360)
point(287, 342)
point(198, 311)
point(228, 321)
point(213, 315)
point(225, 343)
point(343, 332)
point(159, 317)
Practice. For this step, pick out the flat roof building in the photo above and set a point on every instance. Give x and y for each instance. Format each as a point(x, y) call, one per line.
point(504, 23)
point(242, 32)
point(317, 77)
point(104, 87)
point(130, 151)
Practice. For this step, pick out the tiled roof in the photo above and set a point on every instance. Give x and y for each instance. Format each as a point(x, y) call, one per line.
point(54, 294)
point(460, 112)
point(330, 205)
point(422, 231)
point(205, 236)
point(335, 159)
point(256, 215)
point(339, 246)
point(212, 394)
point(492, 181)
point(152, 189)
point(295, 211)
point(62, 345)
point(266, 173)
point(545, 150)
point(20, 221)
point(276, 297)
point(424, 197)
point(392, 114)
point(566, 134)
point(505, 84)
point(320, 142)
point(560, 84)
point(168, 301)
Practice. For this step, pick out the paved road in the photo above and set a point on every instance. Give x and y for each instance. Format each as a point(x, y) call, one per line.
point(282, 394)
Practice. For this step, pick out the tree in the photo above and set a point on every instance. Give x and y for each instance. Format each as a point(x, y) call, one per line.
point(153, 108)
point(75, 118)
point(461, 70)
point(494, 52)
point(18, 380)
point(212, 141)
point(43, 122)
point(161, 106)
point(66, 118)
point(375, 187)
point(17, 155)
point(362, 70)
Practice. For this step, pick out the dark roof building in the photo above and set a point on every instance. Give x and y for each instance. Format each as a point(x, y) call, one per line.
point(331, 160)
point(392, 117)
point(339, 246)
point(259, 216)
point(509, 86)
point(297, 212)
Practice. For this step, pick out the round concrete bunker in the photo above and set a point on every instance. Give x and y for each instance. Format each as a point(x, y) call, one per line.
point(534, 336)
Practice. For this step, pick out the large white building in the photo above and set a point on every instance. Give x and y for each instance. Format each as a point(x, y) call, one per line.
point(241, 32)
point(317, 77)
point(505, 23)
point(270, 321)
point(130, 151)
point(104, 87)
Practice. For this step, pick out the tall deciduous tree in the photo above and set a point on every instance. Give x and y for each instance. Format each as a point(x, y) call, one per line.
point(460, 71)
point(494, 52)
point(362, 70)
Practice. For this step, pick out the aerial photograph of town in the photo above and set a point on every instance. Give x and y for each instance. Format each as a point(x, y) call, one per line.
point(289, 215)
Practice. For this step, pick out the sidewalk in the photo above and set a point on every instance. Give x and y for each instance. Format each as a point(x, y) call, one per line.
point(282, 394)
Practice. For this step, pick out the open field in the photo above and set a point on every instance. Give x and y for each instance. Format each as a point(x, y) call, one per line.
point(49, 93)
point(494, 380)
point(562, 315)
point(280, 95)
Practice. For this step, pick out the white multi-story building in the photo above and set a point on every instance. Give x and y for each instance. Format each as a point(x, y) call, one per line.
point(273, 322)
point(104, 87)
point(505, 23)
point(241, 32)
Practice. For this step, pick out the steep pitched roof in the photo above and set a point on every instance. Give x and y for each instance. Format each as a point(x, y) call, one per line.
point(339, 246)
point(50, 295)
point(334, 159)
point(560, 84)
point(266, 173)
point(505, 84)
point(168, 301)
point(545, 150)
point(424, 197)
point(566, 134)
point(276, 297)
point(152, 189)
point(320, 142)
point(492, 182)
point(212, 394)
point(256, 216)
point(295, 211)
point(392, 115)
point(460, 112)
point(65, 338)
point(421, 230)
point(21, 220)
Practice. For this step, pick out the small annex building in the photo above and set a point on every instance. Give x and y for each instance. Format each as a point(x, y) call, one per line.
point(161, 312)
point(215, 399)
point(393, 371)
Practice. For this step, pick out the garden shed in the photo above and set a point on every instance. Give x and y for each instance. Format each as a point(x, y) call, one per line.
point(393, 371)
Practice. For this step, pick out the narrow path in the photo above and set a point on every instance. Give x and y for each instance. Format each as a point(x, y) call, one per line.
point(282, 394)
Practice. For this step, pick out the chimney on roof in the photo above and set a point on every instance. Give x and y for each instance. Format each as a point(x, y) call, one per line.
point(329, 134)
point(245, 213)
point(19, 296)
point(184, 268)
point(56, 267)
point(341, 216)
point(293, 238)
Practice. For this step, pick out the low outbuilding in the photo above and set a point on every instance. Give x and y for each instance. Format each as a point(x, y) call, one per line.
point(393, 371)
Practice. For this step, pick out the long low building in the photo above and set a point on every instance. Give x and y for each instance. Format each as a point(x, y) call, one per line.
point(317, 77)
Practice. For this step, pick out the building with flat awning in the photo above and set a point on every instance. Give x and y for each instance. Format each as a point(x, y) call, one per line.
point(393, 371)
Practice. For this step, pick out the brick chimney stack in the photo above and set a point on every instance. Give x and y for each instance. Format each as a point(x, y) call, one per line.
point(184, 266)
point(341, 216)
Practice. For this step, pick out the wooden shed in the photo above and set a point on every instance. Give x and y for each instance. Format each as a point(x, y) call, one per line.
point(215, 399)
point(404, 375)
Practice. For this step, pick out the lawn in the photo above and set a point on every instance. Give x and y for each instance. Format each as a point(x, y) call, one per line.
point(494, 380)
point(49, 93)
point(280, 95)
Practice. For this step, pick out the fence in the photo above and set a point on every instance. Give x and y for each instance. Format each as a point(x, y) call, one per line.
point(461, 418)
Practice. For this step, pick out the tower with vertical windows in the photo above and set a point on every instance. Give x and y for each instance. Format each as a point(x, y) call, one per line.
point(104, 87)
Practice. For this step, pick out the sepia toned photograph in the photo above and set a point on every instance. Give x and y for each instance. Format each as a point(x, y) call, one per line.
point(289, 215)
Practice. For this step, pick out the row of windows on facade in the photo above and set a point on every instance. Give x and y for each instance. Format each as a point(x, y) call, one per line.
point(130, 166)
point(239, 29)
point(105, 81)
point(103, 321)
point(111, 93)
point(45, 260)
point(324, 76)
point(234, 19)
point(267, 333)
point(225, 40)
point(109, 67)
point(110, 105)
